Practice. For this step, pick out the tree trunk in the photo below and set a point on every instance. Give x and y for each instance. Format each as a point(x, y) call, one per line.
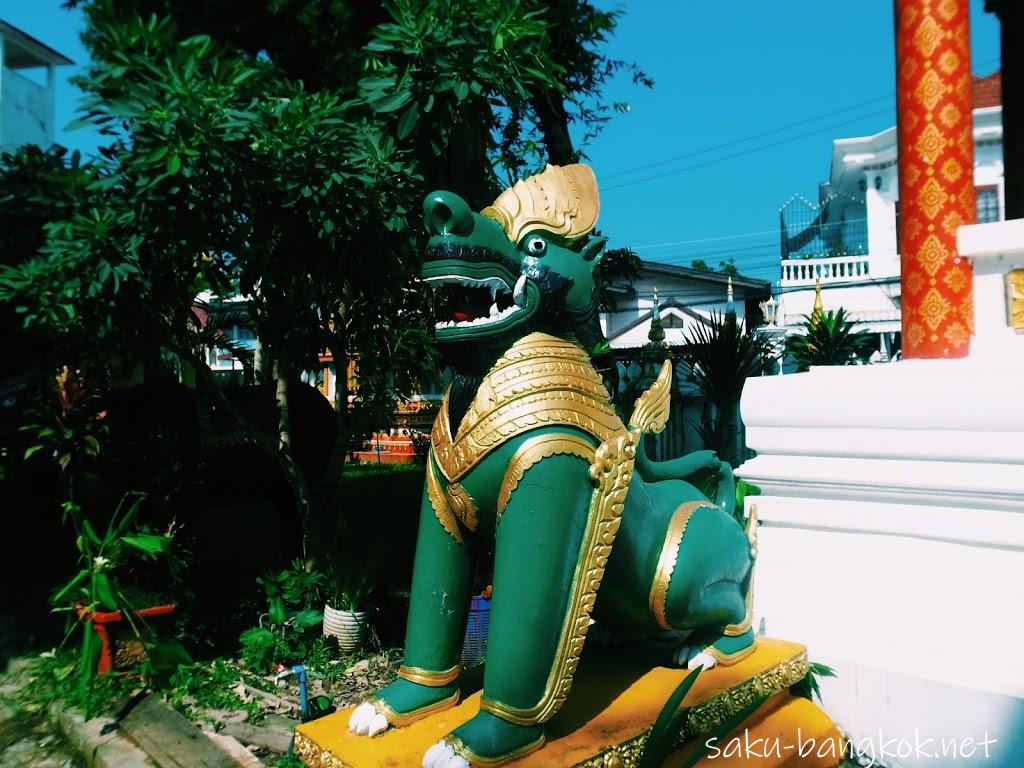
point(299, 487)
point(281, 398)
point(328, 490)
point(554, 125)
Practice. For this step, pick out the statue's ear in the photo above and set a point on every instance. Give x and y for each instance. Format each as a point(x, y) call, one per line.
point(594, 249)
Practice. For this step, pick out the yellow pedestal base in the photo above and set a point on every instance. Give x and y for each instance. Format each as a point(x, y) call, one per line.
point(604, 723)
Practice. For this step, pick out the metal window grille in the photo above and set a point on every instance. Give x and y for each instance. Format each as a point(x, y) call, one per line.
point(988, 204)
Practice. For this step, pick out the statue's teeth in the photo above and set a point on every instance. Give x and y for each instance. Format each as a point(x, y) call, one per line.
point(519, 293)
point(494, 310)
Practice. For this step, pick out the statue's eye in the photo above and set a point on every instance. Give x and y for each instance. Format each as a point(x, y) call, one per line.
point(535, 246)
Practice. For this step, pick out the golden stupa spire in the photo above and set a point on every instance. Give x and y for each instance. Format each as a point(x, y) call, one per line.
point(819, 308)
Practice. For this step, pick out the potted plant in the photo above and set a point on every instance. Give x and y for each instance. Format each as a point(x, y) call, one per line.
point(356, 560)
point(120, 620)
point(121, 642)
point(345, 611)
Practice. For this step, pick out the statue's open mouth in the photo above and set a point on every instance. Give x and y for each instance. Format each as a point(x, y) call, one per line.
point(475, 302)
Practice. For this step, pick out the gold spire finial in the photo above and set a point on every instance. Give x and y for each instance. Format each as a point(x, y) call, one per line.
point(562, 200)
point(819, 308)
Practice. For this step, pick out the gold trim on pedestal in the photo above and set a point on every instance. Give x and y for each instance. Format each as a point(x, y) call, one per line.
point(314, 756)
point(704, 717)
point(427, 677)
point(700, 718)
point(532, 451)
point(667, 561)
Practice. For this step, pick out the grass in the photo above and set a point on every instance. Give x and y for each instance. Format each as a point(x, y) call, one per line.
point(52, 676)
point(198, 688)
point(287, 761)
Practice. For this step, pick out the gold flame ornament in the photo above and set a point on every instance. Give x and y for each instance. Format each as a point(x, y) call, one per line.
point(562, 200)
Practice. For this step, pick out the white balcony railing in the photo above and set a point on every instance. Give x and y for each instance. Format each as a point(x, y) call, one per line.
point(834, 269)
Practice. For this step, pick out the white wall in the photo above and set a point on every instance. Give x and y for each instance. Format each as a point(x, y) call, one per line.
point(892, 542)
point(26, 111)
point(892, 536)
point(881, 206)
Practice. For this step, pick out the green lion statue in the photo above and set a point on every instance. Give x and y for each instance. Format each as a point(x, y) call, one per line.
point(528, 452)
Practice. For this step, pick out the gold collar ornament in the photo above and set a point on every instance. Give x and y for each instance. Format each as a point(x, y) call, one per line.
point(540, 381)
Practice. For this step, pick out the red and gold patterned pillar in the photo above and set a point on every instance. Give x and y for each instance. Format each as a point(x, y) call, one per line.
point(936, 167)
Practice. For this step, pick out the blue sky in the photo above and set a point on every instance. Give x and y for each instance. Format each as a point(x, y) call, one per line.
point(724, 72)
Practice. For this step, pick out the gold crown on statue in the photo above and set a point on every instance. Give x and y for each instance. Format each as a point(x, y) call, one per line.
point(562, 200)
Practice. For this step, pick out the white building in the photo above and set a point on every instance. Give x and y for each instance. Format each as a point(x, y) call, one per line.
point(849, 239)
point(685, 296)
point(682, 297)
point(27, 88)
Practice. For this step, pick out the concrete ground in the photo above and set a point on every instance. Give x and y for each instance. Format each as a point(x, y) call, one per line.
point(33, 740)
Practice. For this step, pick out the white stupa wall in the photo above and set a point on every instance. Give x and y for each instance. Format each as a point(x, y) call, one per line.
point(892, 535)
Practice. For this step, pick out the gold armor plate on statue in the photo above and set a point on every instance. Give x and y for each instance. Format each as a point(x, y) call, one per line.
point(540, 381)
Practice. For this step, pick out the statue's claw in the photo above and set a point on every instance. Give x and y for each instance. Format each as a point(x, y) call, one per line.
point(365, 720)
point(693, 656)
point(442, 755)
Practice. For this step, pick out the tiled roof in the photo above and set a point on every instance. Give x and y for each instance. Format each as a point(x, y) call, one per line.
point(988, 90)
point(674, 270)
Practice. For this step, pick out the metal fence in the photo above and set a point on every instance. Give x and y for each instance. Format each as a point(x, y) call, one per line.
point(838, 227)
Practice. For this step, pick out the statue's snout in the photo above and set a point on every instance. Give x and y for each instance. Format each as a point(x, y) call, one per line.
point(447, 214)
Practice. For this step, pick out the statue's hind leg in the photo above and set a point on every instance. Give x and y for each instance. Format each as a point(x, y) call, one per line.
point(441, 583)
point(703, 583)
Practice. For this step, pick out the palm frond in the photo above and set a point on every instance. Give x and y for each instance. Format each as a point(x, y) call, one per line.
point(829, 339)
point(722, 355)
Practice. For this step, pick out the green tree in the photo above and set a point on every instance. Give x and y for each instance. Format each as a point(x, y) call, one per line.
point(282, 154)
point(829, 339)
point(725, 267)
point(618, 267)
point(728, 267)
point(721, 356)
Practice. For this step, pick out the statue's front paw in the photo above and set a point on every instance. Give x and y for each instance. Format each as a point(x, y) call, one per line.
point(693, 656)
point(367, 721)
point(442, 755)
